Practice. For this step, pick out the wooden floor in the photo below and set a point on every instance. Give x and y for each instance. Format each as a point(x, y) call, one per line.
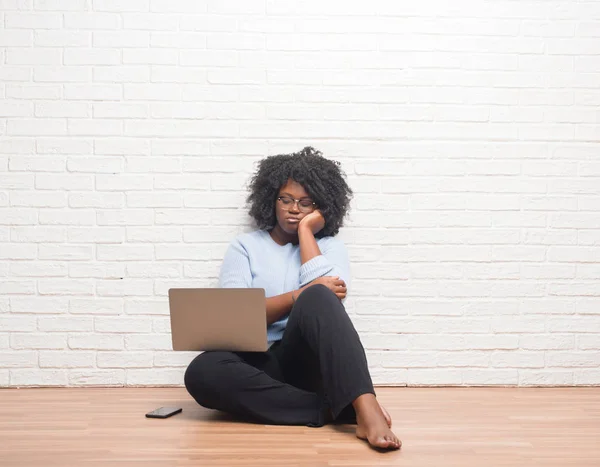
point(439, 427)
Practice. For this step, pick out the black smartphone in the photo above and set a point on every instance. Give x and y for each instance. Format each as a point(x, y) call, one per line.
point(164, 412)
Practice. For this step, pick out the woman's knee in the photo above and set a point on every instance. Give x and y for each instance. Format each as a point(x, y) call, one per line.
point(316, 297)
point(317, 292)
point(202, 378)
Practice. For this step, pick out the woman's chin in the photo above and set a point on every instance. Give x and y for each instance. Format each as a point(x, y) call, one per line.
point(290, 228)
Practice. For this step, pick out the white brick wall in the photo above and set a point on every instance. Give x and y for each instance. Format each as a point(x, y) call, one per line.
point(469, 130)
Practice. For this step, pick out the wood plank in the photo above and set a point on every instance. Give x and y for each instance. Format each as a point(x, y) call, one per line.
point(81, 427)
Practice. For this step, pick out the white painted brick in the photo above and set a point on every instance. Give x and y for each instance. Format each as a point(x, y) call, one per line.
point(65, 252)
point(146, 307)
point(150, 21)
point(547, 342)
point(18, 251)
point(122, 74)
point(91, 164)
point(567, 289)
point(154, 234)
point(38, 235)
point(154, 199)
point(37, 377)
point(97, 377)
point(155, 270)
point(18, 323)
point(577, 254)
point(64, 182)
point(125, 325)
point(199, 149)
point(33, 91)
point(23, 341)
point(38, 127)
point(95, 235)
point(19, 359)
point(62, 39)
point(489, 377)
point(191, 182)
point(208, 234)
point(124, 252)
point(62, 109)
point(578, 324)
point(587, 237)
point(95, 306)
point(118, 39)
point(33, 56)
point(124, 288)
point(463, 359)
point(148, 342)
point(124, 182)
point(155, 377)
point(125, 217)
point(162, 286)
point(17, 287)
point(125, 359)
point(573, 359)
point(67, 217)
point(96, 200)
point(474, 172)
point(588, 342)
point(16, 38)
point(38, 199)
point(39, 305)
point(154, 56)
point(16, 181)
point(545, 377)
point(104, 127)
point(16, 108)
point(15, 73)
point(12, 146)
point(116, 6)
point(66, 359)
point(56, 146)
point(120, 110)
point(180, 6)
point(408, 360)
point(201, 58)
point(179, 40)
point(173, 359)
point(181, 252)
point(434, 377)
point(93, 92)
point(93, 341)
point(89, 20)
point(516, 359)
point(65, 287)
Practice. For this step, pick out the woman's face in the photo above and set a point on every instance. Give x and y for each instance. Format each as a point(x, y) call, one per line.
point(293, 204)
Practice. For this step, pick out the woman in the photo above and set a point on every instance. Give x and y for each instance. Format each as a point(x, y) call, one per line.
point(315, 370)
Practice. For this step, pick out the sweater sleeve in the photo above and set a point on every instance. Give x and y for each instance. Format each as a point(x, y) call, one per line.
point(235, 270)
point(333, 261)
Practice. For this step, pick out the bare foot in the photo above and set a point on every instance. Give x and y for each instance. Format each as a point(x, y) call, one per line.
point(373, 425)
point(386, 415)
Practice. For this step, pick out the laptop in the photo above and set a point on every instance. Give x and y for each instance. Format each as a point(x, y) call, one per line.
point(218, 319)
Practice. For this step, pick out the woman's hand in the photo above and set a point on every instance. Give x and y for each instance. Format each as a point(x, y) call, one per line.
point(313, 221)
point(335, 284)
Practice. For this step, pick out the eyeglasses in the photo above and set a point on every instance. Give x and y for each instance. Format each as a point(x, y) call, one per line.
point(304, 205)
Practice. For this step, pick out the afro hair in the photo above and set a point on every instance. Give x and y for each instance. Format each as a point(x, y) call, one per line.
point(323, 180)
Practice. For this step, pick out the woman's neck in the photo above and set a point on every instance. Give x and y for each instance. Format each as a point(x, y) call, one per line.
point(281, 237)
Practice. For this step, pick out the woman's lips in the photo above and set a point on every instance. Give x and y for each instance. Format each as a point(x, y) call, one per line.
point(293, 220)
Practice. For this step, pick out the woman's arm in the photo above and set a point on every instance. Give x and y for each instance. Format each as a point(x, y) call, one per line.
point(236, 273)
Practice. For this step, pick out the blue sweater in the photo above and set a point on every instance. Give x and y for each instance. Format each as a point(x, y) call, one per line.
point(255, 260)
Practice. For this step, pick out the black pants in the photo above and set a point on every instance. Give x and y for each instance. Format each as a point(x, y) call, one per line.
point(318, 368)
